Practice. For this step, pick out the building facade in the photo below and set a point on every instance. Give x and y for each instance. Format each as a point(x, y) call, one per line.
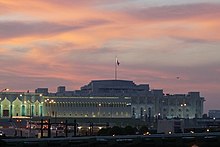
point(20, 104)
point(102, 99)
point(214, 113)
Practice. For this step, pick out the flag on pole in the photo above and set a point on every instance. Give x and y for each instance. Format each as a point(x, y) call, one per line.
point(117, 62)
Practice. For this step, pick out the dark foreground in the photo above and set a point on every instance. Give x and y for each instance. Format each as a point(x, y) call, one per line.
point(155, 140)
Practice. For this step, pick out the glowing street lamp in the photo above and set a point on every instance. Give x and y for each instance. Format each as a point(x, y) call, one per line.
point(183, 108)
point(50, 102)
point(183, 105)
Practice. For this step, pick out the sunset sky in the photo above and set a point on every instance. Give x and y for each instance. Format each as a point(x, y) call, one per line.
point(48, 43)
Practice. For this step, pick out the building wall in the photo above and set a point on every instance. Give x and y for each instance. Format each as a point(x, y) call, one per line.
point(106, 99)
point(214, 113)
point(182, 105)
point(15, 104)
point(105, 107)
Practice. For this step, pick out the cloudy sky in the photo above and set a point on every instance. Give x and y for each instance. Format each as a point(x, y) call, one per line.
point(47, 43)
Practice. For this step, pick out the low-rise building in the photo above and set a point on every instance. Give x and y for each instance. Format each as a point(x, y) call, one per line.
point(103, 99)
point(214, 113)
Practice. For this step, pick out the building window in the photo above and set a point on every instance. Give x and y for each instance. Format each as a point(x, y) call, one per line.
point(5, 112)
point(133, 111)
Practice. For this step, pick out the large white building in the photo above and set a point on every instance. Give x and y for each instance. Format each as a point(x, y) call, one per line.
point(102, 99)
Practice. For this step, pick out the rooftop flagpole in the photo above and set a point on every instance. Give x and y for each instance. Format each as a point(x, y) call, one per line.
point(116, 67)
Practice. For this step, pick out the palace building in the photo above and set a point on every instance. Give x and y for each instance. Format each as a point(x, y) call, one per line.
point(102, 99)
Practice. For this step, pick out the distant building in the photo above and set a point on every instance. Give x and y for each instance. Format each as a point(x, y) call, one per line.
point(103, 99)
point(170, 126)
point(182, 105)
point(43, 91)
point(214, 113)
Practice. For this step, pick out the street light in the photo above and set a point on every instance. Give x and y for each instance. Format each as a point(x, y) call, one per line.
point(183, 108)
point(128, 105)
point(99, 111)
point(49, 102)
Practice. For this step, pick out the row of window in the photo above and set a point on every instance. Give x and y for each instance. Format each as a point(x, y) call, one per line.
point(76, 104)
point(174, 103)
point(172, 110)
point(93, 114)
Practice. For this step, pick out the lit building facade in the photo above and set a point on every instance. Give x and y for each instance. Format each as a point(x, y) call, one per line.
point(104, 107)
point(20, 104)
point(188, 105)
point(103, 99)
